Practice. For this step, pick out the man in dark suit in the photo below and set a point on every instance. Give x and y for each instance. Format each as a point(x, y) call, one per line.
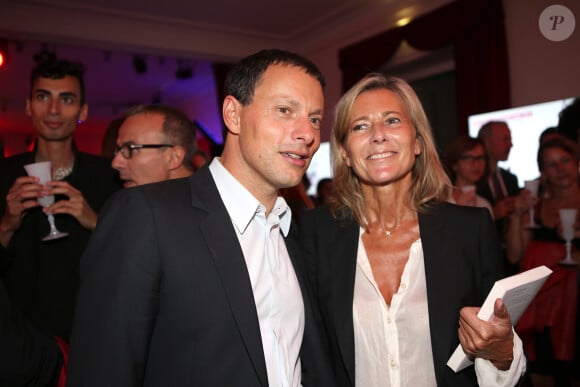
point(197, 281)
point(41, 278)
point(501, 187)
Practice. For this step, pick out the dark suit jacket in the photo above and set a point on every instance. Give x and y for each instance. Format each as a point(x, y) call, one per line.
point(166, 300)
point(462, 261)
point(511, 185)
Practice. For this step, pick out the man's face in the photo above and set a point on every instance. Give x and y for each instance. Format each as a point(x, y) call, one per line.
point(499, 142)
point(54, 107)
point(148, 165)
point(279, 131)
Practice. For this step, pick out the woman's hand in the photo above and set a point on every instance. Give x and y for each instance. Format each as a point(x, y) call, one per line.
point(492, 340)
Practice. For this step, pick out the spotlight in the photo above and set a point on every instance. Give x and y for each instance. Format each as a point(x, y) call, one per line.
point(4, 57)
point(184, 73)
point(140, 64)
point(44, 55)
point(184, 70)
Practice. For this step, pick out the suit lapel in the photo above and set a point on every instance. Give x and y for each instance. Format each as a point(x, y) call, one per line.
point(343, 274)
point(230, 263)
point(438, 275)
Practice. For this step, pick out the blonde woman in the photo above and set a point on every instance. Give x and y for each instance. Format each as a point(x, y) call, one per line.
point(398, 270)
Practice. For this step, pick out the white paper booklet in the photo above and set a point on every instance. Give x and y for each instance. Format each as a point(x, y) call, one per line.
point(516, 291)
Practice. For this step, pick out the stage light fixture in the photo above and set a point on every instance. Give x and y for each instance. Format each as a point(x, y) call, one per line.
point(4, 55)
point(44, 55)
point(184, 69)
point(140, 64)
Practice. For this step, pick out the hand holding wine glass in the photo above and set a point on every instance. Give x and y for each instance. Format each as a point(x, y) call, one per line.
point(42, 171)
point(567, 219)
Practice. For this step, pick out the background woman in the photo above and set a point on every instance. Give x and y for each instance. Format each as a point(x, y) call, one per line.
point(466, 164)
point(549, 325)
point(396, 267)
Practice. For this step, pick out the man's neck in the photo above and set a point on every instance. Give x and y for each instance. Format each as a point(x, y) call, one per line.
point(59, 153)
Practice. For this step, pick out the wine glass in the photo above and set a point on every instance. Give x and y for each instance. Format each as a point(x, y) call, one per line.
point(568, 218)
point(532, 186)
point(42, 171)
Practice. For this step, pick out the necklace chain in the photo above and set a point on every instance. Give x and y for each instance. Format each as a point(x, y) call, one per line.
point(61, 173)
point(388, 232)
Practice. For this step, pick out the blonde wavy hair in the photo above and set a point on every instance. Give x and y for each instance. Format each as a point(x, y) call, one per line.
point(430, 182)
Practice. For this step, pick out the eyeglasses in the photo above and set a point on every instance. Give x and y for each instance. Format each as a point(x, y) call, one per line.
point(127, 149)
point(471, 159)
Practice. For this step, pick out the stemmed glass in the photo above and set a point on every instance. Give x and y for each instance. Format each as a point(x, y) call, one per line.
point(568, 218)
point(532, 186)
point(42, 171)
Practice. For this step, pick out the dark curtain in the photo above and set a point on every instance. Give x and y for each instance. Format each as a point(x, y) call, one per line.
point(476, 30)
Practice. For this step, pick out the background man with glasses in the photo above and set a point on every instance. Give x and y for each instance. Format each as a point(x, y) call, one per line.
point(155, 143)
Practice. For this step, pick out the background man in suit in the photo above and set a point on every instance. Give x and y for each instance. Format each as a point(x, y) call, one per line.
point(197, 281)
point(501, 187)
point(155, 143)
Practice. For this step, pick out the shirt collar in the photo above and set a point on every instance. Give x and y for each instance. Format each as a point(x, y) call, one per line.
point(241, 205)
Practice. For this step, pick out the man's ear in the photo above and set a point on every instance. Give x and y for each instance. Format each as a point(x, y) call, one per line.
point(84, 113)
point(176, 157)
point(28, 109)
point(231, 110)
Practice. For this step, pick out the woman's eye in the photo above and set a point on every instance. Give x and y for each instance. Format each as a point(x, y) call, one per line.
point(393, 120)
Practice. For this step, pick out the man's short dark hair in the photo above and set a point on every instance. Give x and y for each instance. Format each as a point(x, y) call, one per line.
point(243, 77)
point(54, 68)
point(177, 128)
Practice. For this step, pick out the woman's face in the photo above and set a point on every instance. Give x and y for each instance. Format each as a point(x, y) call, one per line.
point(560, 167)
point(470, 166)
point(381, 144)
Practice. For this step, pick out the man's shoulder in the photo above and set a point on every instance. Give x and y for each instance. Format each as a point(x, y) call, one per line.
point(17, 161)
point(511, 181)
point(453, 212)
point(88, 160)
point(505, 172)
point(165, 190)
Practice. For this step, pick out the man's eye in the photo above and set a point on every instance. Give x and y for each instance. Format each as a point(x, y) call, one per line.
point(68, 100)
point(316, 121)
point(41, 97)
point(283, 110)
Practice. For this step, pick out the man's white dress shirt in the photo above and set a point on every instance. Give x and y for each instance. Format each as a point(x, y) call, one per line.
point(276, 290)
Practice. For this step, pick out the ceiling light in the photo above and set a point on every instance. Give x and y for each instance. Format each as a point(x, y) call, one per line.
point(403, 21)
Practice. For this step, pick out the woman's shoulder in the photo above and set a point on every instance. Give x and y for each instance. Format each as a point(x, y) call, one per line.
point(455, 212)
